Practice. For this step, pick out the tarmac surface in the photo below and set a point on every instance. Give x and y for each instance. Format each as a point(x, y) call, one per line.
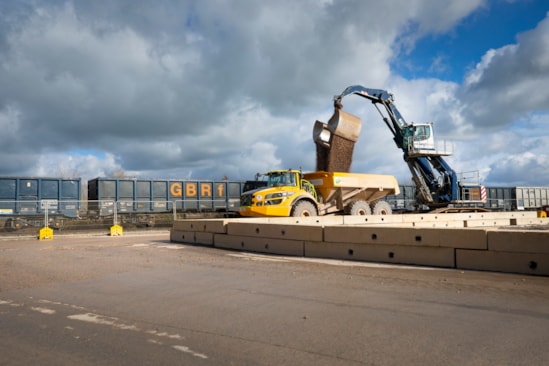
point(142, 300)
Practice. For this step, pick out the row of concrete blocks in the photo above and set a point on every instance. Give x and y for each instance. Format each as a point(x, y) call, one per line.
point(501, 248)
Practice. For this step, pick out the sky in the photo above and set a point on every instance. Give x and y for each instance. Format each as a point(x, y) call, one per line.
point(204, 89)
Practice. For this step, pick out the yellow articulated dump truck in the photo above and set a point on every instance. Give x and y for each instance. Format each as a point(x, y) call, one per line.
point(291, 193)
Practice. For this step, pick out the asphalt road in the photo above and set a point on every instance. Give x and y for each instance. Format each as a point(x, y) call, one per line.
point(141, 300)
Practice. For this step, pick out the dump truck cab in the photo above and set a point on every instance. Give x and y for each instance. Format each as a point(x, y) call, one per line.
point(280, 197)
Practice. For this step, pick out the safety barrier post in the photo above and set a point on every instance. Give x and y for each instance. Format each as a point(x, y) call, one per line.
point(116, 230)
point(45, 233)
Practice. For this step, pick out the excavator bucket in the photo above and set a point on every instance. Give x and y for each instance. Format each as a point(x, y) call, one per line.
point(342, 124)
point(345, 125)
point(335, 141)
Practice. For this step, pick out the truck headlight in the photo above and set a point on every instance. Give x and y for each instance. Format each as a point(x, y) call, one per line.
point(278, 195)
point(277, 198)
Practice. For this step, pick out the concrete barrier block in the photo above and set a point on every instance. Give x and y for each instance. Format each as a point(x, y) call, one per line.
point(361, 234)
point(181, 236)
point(427, 217)
point(437, 224)
point(189, 224)
point(181, 225)
point(173, 234)
point(309, 220)
point(394, 224)
point(488, 222)
point(524, 241)
point(371, 219)
point(432, 237)
point(216, 226)
point(204, 238)
point(280, 231)
point(381, 235)
point(500, 215)
point(522, 214)
point(531, 221)
point(433, 217)
point(261, 245)
point(509, 262)
point(463, 238)
point(396, 254)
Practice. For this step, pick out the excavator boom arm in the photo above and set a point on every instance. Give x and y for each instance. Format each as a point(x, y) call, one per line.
point(383, 97)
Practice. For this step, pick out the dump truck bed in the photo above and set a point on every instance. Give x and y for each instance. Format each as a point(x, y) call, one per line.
point(369, 187)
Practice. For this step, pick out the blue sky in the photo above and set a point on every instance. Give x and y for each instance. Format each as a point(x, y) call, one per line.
point(451, 54)
point(132, 87)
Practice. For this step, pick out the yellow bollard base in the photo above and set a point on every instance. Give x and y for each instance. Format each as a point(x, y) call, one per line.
point(116, 230)
point(542, 214)
point(45, 234)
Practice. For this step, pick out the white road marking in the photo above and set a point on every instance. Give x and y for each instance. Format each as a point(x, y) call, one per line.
point(10, 303)
point(165, 334)
point(331, 262)
point(60, 303)
point(43, 310)
point(176, 247)
point(116, 323)
point(99, 319)
point(337, 262)
point(188, 350)
point(258, 257)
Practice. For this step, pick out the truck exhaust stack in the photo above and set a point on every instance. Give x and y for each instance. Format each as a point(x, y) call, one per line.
point(335, 141)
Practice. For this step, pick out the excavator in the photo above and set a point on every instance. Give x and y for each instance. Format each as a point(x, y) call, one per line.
point(437, 185)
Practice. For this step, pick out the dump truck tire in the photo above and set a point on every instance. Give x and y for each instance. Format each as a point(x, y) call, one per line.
point(304, 208)
point(361, 208)
point(382, 208)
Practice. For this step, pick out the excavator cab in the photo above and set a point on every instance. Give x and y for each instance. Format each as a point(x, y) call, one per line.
point(419, 139)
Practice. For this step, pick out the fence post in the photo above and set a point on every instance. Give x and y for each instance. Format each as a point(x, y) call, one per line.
point(115, 213)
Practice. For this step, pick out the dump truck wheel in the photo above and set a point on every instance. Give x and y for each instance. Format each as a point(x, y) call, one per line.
point(304, 208)
point(382, 208)
point(361, 208)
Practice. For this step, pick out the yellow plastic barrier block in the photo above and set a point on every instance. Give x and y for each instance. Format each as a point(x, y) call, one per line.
point(116, 230)
point(45, 234)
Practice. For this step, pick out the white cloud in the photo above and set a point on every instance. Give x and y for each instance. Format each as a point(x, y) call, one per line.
point(74, 165)
point(509, 82)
